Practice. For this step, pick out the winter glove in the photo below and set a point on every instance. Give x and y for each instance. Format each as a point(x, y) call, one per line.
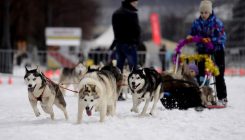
point(206, 40)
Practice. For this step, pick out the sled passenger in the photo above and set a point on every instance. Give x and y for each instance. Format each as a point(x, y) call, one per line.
point(193, 71)
point(211, 29)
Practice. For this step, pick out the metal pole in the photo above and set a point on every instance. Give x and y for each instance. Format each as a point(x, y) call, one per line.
point(6, 66)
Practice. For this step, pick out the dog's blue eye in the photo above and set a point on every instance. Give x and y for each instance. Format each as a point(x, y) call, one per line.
point(92, 100)
point(85, 99)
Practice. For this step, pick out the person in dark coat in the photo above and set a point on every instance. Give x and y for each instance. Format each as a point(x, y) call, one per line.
point(126, 30)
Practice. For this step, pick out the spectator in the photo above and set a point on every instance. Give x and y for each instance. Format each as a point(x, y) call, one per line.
point(126, 30)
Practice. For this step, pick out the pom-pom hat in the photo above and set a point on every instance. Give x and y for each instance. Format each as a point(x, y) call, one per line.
point(194, 68)
point(206, 5)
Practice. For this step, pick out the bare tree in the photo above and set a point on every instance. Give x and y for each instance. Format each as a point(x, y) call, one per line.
point(28, 18)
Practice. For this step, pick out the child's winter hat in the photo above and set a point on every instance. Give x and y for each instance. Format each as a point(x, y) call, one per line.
point(206, 5)
point(193, 67)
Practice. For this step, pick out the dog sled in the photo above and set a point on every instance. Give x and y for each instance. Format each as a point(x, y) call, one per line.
point(184, 94)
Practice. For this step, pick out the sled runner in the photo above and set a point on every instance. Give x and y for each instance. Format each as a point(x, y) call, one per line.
point(215, 106)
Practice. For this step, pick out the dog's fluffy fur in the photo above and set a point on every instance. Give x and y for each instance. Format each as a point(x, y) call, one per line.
point(207, 96)
point(183, 90)
point(179, 93)
point(145, 85)
point(124, 85)
point(43, 90)
point(99, 86)
point(72, 76)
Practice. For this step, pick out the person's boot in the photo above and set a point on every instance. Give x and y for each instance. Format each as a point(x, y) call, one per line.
point(222, 102)
point(120, 98)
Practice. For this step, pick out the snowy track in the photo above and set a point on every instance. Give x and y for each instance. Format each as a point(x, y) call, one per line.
point(18, 122)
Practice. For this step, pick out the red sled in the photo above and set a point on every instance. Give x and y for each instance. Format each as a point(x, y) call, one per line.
point(215, 106)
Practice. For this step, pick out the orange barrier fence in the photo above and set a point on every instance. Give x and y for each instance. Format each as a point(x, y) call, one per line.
point(235, 72)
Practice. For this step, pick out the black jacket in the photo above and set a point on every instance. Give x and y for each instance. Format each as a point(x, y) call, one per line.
point(125, 24)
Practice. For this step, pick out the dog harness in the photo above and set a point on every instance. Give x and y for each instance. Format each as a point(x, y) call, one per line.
point(40, 97)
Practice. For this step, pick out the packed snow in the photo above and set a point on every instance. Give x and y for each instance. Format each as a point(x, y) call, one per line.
point(18, 122)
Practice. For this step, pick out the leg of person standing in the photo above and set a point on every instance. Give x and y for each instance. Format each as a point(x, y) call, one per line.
point(120, 56)
point(131, 54)
point(219, 57)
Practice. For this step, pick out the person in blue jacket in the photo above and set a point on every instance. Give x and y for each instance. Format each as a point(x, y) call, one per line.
point(211, 29)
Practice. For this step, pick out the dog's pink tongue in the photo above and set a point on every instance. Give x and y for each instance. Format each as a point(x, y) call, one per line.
point(89, 112)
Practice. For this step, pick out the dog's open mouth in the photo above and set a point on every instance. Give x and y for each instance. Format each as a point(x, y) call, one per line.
point(89, 111)
point(31, 89)
point(135, 86)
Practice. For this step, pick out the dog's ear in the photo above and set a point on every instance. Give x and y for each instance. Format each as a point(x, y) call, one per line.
point(81, 95)
point(96, 92)
point(143, 72)
point(93, 88)
point(26, 69)
point(86, 88)
point(38, 69)
point(135, 68)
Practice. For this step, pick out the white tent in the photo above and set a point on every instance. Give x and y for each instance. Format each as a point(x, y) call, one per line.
point(104, 40)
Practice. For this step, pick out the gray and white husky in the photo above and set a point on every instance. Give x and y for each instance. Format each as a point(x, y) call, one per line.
point(145, 85)
point(44, 90)
point(98, 91)
point(72, 76)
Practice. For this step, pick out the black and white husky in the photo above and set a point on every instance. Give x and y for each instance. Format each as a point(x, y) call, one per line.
point(145, 85)
point(44, 90)
point(97, 91)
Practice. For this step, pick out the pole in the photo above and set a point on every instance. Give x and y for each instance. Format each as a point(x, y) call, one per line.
point(6, 66)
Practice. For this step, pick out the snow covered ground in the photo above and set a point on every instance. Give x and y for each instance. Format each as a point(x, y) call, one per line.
point(18, 122)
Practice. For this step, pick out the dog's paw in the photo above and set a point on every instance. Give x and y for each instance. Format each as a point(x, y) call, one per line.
point(143, 115)
point(134, 110)
point(52, 116)
point(37, 114)
point(208, 103)
point(102, 120)
point(151, 114)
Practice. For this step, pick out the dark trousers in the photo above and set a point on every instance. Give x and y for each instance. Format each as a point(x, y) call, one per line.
point(126, 51)
point(219, 59)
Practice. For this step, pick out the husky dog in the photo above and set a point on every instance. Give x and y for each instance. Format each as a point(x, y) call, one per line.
point(145, 85)
point(97, 90)
point(116, 72)
point(207, 96)
point(44, 90)
point(179, 93)
point(124, 86)
point(72, 76)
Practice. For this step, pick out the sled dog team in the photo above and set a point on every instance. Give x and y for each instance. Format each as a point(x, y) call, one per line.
point(98, 90)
